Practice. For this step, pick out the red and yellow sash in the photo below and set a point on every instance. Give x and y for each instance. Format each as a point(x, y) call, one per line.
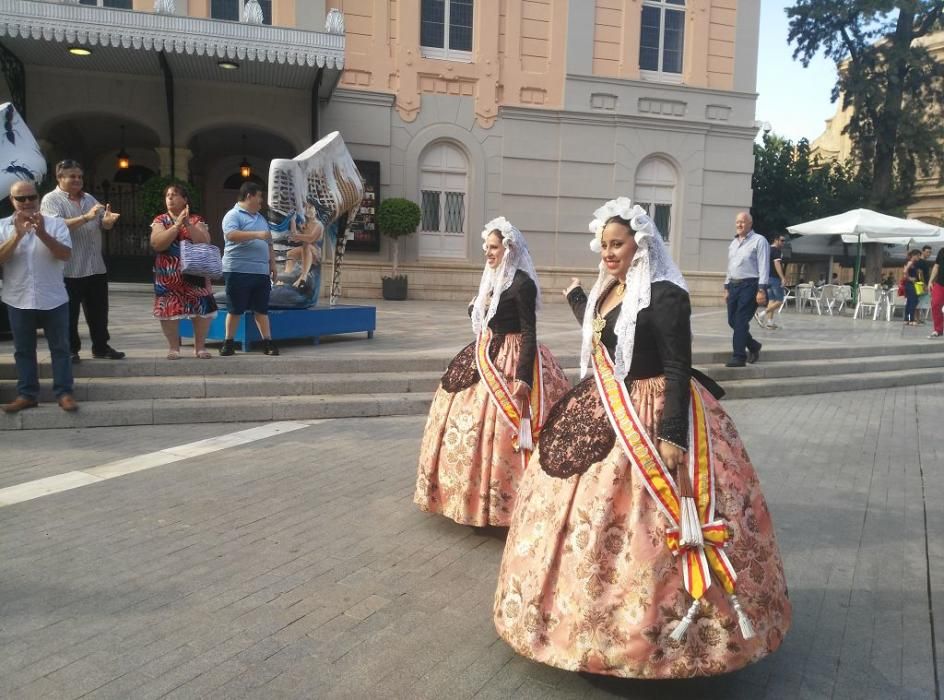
point(500, 393)
point(697, 562)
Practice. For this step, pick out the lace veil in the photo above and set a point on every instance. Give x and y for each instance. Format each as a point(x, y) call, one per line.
point(651, 263)
point(497, 280)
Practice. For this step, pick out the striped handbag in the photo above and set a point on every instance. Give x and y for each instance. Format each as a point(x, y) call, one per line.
point(200, 259)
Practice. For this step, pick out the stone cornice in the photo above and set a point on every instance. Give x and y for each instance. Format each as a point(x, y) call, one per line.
point(655, 85)
point(99, 26)
point(686, 126)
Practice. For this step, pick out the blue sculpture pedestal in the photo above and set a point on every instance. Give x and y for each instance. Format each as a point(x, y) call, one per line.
point(312, 322)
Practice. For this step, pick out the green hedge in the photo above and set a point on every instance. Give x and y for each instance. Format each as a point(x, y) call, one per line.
point(152, 195)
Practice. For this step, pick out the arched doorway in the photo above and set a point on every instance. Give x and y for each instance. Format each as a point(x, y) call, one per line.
point(215, 165)
point(655, 192)
point(443, 192)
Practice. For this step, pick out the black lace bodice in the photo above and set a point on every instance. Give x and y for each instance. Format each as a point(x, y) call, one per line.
point(663, 345)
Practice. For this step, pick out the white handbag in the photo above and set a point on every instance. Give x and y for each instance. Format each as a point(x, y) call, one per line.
point(200, 259)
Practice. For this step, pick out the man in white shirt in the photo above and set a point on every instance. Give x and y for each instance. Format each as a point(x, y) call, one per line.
point(745, 287)
point(33, 251)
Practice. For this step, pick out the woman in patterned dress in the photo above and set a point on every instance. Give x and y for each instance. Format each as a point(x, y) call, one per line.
point(494, 396)
point(177, 295)
point(641, 545)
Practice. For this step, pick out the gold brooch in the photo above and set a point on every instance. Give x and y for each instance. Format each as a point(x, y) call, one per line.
point(599, 323)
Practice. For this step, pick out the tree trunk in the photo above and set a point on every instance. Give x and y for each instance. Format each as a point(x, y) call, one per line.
point(886, 125)
point(396, 257)
point(874, 257)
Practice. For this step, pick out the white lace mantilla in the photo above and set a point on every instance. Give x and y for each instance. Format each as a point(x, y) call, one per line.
point(651, 263)
point(496, 280)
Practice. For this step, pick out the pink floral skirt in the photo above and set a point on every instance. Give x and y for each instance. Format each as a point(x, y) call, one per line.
point(587, 582)
point(468, 469)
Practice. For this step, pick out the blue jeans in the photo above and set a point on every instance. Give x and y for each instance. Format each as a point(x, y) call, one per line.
point(742, 304)
point(911, 301)
point(55, 324)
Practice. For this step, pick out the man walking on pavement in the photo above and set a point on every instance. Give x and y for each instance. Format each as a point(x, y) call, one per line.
point(745, 287)
point(777, 284)
point(85, 276)
point(33, 249)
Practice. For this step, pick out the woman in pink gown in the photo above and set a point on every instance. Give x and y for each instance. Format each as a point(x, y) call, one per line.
point(641, 545)
point(494, 397)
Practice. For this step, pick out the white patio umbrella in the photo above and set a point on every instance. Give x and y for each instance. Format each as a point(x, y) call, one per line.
point(867, 226)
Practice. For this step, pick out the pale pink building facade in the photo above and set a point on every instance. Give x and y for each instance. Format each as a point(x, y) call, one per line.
point(537, 110)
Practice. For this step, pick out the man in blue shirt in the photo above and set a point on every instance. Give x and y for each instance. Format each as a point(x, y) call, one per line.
point(248, 266)
point(745, 287)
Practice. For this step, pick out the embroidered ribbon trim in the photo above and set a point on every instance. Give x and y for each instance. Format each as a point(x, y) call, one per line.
point(697, 562)
point(501, 395)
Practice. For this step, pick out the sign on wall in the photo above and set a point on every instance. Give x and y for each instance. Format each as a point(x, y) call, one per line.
point(364, 234)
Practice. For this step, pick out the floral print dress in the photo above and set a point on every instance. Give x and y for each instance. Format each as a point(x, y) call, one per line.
point(177, 295)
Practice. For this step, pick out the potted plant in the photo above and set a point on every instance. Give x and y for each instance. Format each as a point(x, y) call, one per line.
point(397, 217)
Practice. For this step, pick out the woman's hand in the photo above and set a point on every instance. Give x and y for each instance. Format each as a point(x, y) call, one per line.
point(521, 393)
point(574, 283)
point(182, 217)
point(674, 458)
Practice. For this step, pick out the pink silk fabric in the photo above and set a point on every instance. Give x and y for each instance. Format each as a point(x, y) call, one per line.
point(468, 470)
point(587, 582)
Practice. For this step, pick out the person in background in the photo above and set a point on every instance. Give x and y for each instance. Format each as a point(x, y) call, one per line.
point(777, 284)
point(937, 295)
point(33, 250)
point(924, 275)
point(248, 267)
point(177, 295)
point(745, 287)
point(910, 274)
point(86, 280)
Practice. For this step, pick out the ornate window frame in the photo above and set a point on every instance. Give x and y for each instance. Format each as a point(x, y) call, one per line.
point(445, 52)
point(664, 8)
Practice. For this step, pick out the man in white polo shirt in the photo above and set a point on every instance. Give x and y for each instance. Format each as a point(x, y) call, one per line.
point(86, 279)
point(33, 251)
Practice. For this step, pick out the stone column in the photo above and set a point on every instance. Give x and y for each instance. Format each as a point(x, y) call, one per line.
point(182, 158)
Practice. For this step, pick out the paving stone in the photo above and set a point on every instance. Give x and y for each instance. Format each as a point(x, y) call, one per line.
point(295, 567)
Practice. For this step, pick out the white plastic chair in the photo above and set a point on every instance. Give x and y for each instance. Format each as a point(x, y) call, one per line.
point(845, 293)
point(831, 298)
point(869, 297)
point(893, 304)
point(804, 296)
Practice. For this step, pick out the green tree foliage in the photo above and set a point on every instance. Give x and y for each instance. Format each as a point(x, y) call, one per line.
point(893, 85)
point(791, 187)
point(398, 217)
point(152, 195)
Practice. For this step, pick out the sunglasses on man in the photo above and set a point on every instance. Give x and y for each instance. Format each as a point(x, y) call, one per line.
point(25, 197)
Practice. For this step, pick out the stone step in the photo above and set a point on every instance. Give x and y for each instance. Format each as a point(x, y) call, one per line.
point(248, 409)
point(237, 386)
point(167, 411)
point(801, 386)
point(767, 369)
point(256, 364)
